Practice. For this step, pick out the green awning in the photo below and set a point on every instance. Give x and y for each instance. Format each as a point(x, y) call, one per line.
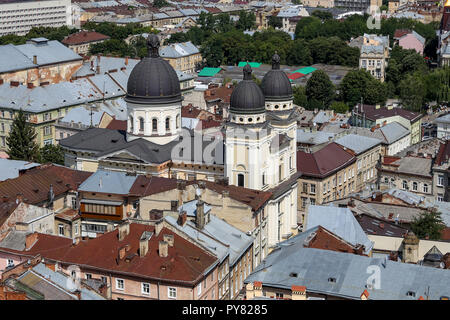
point(306, 70)
point(252, 64)
point(208, 72)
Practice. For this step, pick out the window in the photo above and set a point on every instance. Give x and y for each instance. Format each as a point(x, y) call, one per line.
point(280, 172)
point(313, 189)
point(404, 185)
point(60, 229)
point(145, 288)
point(120, 285)
point(199, 289)
point(141, 124)
point(88, 276)
point(47, 131)
point(74, 203)
point(312, 201)
point(178, 121)
point(304, 202)
point(104, 280)
point(263, 179)
point(240, 180)
point(155, 125)
point(440, 181)
point(414, 186)
point(172, 293)
point(305, 188)
point(10, 263)
point(167, 124)
point(440, 197)
point(279, 295)
point(425, 188)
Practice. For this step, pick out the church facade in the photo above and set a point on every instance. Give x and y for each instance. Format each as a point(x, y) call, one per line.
point(256, 150)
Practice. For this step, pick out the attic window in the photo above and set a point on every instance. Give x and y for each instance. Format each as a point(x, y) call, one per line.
point(293, 274)
point(411, 294)
point(332, 280)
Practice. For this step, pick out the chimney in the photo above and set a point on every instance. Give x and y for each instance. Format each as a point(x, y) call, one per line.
point(163, 249)
point(298, 292)
point(257, 289)
point(30, 240)
point(200, 216)
point(1, 81)
point(14, 83)
point(158, 227)
point(124, 230)
point(97, 69)
point(110, 227)
point(169, 239)
point(78, 294)
point(126, 61)
point(92, 64)
point(182, 217)
point(393, 256)
point(35, 59)
point(77, 240)
point(143, 243)
point(365, 295)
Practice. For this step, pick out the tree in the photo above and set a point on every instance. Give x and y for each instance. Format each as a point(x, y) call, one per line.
point(299, 53)
point(299, 96)
point(52, 153)
point(359, 84)
point(247, 20)
point(21, 140)
point(320, 88)
point(412, 92)
point(275, 22)
point(428, 225)
point(160, 3)
point(339, 107)
point(322, 15)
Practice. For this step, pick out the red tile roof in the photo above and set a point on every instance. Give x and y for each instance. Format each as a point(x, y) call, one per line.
point(327, 240)
point(6, 208)
point(146, 186)
point(84, 37)
point(372, 113)
point(253, 198)
point(298, 288)
point(186, 263)
point(443, 154)
point(190, 112)
point(401, 32)
point(117, 125)
point(206, 124)
point(34, 184)
point(324, 162)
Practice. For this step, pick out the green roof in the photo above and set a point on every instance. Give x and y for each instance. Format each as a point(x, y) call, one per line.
point(208, 72)
point(252, 64)
point(306, 70)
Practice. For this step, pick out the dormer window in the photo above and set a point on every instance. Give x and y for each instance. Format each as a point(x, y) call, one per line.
point(411, 294)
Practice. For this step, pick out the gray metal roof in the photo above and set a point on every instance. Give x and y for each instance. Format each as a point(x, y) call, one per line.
point(191, 208)
point(314, 268)
point(10, 168)
point(61, 282)
point(415, 165)
point(313, 138)
point(15, 240)
point(104, 181)
point(359, 144)
point(178, 50)
point(20, 57)
point(341, 222)
point(443, 119)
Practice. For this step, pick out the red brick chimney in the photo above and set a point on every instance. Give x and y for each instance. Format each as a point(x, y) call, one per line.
point(31, 240)
point(182, 218)
point(30, 85)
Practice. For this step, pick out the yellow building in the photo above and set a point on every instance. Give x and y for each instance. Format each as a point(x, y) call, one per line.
point(182, 56)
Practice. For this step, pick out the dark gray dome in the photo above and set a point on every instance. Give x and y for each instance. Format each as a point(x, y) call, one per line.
point(247, 97)
point(275, 84)
point(153, 80)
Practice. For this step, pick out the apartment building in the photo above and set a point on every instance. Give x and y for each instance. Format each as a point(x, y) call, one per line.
point(367, 152)
point(326, 175)
point(374, 53)
point(369, 116)
point(19, 16)
point(182, 56)
point(81, 42)
point(443, 126)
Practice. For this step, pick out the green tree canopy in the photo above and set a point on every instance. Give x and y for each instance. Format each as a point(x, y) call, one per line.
point(320, 88)
point(360, 83)
point(300, 98)
point(428, 225)
point(21, 140)
point(52, 153)
point(339, 107)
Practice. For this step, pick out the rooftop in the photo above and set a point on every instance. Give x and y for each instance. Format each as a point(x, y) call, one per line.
point(84, 37)
point(358, 144)
point(375, 113)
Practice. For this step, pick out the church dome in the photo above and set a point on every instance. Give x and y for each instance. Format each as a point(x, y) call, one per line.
point(275, 84)
point(153, 80)
point(247, 97)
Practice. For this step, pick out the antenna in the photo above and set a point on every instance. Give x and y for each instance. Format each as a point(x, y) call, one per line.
point(91, 113)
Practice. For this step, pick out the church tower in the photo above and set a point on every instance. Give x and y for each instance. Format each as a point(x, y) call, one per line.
point(248, 137)
point(153, 98)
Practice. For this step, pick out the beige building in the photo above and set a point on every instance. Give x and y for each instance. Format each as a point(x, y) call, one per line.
point(367, 152)
point(326, 175)
point(182, 56)
point(81, 42)
point(374, 54)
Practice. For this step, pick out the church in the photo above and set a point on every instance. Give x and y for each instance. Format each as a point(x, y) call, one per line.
point(256, 150)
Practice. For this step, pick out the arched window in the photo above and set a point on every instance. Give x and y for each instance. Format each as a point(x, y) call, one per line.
point(404, 185)
point(240, 180)
point(131, 123)
point(167, 124)
point(141, 124)
point(425, 188)
point(415, 186)
point(178, 121)
point(155, 125)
